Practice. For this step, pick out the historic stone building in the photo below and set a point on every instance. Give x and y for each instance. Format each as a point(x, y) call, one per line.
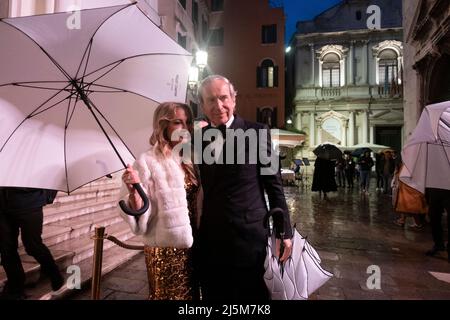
point(427, 56)
point(345, 74)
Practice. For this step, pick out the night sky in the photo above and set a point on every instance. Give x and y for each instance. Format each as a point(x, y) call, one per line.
point(300, 10)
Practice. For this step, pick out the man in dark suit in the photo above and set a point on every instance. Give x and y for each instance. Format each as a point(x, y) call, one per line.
point(21, 209)
point(232, 237)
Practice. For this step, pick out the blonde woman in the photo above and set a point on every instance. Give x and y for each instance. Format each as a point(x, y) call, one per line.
point(172, 186)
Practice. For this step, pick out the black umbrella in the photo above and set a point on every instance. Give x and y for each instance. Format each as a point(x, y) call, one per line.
point(360, 151)
point(328, 152)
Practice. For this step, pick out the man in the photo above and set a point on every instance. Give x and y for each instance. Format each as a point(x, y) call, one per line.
point(438, 200)
point(233, 229)
point(21, 209)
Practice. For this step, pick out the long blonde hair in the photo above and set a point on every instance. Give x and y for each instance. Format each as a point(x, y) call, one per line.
point(160, 140)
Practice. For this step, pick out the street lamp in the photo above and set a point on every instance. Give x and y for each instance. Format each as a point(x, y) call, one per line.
point(193, 77)
point(196, 71)
point(201, 59)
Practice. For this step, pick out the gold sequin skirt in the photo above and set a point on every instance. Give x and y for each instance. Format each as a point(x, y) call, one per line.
point(170, 274)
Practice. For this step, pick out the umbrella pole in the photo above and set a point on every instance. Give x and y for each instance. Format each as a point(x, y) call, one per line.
point(137, 186)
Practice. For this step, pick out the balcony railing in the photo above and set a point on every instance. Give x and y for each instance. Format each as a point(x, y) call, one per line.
point(360, 92)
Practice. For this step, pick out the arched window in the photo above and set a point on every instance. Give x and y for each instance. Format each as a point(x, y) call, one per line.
point(331, 70)
point(388, 67)
point(267, 115)
point(267, 75)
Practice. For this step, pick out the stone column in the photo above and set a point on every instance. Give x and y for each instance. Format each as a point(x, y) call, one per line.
point(351, 129)
point(298, 121)
point(365, 126)
point(351, 69)
point(313, 65)
point(372, 134)
point(312, 129)
point(344, 133)
point(365, 62)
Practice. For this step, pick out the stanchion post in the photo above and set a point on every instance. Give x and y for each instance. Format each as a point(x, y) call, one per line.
point(97, 263)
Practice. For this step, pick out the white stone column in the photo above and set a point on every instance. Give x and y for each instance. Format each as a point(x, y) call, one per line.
point(319, 133)
point(351, 68)
point(343, 69)
point(312, 129)
point(365, 63)
point(298, 121)
point(365, 127)
point(372, 134)
point(313, 65)
point(377, 72)
point(320, 74)
point(351, 129)
point(344, 133)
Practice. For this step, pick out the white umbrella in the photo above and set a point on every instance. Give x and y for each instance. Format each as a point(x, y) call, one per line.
point(77, 104)
point(427, 152)
point(374, 147)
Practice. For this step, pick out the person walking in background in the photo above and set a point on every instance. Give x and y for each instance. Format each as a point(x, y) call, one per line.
point(438, 201)
point(349, 169)
point(21, 209)
point(340, 175)
point(379, 158)
point(365, 164)
point(388, 167)
point(323, 177)
point(173, 188)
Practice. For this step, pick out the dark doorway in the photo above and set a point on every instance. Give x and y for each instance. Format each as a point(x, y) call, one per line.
point(389, 136)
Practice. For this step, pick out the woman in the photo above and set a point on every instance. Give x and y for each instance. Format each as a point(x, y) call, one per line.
point(323, 178)
point(172, 186)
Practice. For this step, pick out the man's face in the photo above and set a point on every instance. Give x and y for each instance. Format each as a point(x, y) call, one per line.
point(218, 105)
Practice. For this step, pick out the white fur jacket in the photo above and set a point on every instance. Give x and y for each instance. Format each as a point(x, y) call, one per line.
point(166, 223)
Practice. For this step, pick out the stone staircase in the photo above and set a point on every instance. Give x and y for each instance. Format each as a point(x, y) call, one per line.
point(69, 224)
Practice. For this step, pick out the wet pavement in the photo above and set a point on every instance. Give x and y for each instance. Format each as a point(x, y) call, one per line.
point(355, 236)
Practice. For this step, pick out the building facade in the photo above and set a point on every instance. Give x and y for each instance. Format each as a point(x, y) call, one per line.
point(251, 55)
point(427, 56)
point(345, 71)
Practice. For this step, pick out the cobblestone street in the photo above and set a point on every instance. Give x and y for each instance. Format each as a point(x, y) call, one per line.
point(351, 232)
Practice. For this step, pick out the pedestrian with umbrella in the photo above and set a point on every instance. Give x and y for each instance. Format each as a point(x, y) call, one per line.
point(323, 177)
point(172, 184)
point(426, 158)
point(365, 166)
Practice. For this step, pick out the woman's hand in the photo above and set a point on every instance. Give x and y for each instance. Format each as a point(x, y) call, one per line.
point(129, 177)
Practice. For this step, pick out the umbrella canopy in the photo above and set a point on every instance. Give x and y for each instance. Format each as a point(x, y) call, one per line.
point(328, 152)
point(372, 146)
point(77, 104)
point(426, 154)
point(360, 151)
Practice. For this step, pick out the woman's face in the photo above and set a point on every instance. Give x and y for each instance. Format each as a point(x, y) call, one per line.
point(179, 122)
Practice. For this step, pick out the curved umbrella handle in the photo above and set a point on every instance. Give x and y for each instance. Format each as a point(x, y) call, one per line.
point(141, 211)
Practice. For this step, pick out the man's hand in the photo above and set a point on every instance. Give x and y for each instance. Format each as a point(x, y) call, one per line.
point(287, 243)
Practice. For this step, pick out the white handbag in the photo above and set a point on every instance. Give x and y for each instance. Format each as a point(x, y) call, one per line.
point(301, 274)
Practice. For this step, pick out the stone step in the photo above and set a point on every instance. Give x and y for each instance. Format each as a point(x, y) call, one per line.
point(83, 247)
point(112, 258)
point(84, 194)
point(79, 208)
point(57, 232)
point(78, 251)
point(32, 268)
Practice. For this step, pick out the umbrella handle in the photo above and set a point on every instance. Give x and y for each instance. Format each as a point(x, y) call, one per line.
point(141, 211)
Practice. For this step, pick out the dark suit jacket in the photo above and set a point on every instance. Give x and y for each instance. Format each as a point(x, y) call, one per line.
point(232, 227)
point(19, 199)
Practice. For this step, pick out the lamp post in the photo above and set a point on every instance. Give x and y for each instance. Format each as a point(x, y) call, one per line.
point(196, 70)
